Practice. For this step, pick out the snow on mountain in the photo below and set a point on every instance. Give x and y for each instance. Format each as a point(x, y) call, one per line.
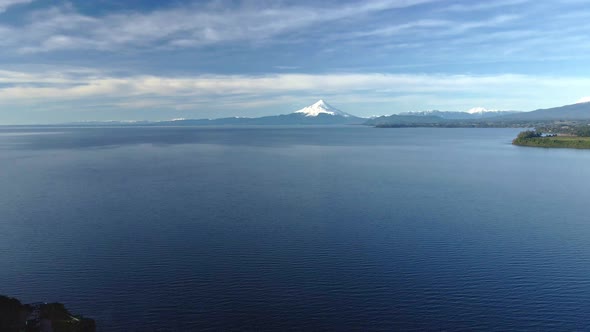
point(445, 115)
point(321, 107)
point(474, 113)
point(481, 110)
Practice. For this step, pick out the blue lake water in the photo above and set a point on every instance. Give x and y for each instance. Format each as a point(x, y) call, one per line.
point(335, 228)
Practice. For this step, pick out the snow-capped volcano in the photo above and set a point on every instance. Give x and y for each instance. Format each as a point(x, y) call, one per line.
point(321, 107)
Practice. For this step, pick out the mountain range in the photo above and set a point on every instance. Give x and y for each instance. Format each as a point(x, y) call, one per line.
point(579, 111)
point(322, 113)
point(474, 113)
point(319, 113)
point(482, 118)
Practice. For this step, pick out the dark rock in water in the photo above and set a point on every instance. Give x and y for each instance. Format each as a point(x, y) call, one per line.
point(40, 317)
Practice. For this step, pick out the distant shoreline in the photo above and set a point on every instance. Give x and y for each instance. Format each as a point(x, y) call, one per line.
point(560, 142)
point(564, 137)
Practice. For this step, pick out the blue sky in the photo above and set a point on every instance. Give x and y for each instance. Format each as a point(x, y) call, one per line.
point(154, 60)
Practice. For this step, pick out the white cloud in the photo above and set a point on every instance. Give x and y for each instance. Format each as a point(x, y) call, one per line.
point(5, 4)
point(400, 28)
point(26, 85)
point(516, 34)
point(438, 27)
point(242, 92)
point(583, 100)
point(476, 6)
point(63, 28)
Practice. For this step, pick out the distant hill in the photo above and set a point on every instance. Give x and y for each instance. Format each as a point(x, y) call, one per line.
point(580, 111)
point(474, 113)
point(406, 120)
point(475, 118)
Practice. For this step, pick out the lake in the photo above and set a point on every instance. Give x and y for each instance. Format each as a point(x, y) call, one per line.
point(303, 228)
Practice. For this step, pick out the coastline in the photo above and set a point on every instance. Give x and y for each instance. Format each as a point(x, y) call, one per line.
point(557, 142)
point(16, 317)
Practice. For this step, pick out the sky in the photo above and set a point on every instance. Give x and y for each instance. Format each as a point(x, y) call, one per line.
point(101, 60)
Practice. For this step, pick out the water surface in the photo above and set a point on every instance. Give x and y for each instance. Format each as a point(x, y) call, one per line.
point(308, 228)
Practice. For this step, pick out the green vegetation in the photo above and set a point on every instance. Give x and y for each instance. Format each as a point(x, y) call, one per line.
point(528, 134)
point(566, 128)
point(536, 139)
point(582, 131)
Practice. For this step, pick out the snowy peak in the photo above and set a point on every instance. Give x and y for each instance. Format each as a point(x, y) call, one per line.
point(321, 103)
point(474, 113)
point(481, 110)
point(321, 107)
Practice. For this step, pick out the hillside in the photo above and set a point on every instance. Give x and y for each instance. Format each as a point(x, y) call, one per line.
point(580, 111)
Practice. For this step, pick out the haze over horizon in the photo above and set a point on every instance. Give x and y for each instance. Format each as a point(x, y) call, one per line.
point(67, 61)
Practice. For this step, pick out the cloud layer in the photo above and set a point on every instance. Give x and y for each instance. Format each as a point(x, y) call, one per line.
point(5, 4)
point(248, 58)
point(211, 95)
point(63, 27)
point(404, 23)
